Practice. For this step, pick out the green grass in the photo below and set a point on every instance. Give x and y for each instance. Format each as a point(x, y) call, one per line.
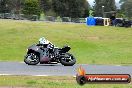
point(90, 45)
point(51, 82)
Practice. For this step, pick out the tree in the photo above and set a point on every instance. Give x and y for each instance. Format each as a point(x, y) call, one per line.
point(70, 8)
point(126, 8)
point(47, 8)
point(122, 1)
point(3, 6)
point(31, 7)
point(45, 5)
point(11, 5)
point(109, 5)
point(15, 5)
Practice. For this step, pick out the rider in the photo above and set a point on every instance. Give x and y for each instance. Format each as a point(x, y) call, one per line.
point(44, 42)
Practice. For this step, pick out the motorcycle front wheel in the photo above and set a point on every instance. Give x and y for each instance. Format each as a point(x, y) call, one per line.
point(68, 59)
point(31, 59)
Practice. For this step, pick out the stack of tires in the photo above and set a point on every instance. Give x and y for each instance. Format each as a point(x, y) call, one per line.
point(123, 23)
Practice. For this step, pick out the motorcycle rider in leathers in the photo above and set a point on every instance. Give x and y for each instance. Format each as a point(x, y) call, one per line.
point(50, 46)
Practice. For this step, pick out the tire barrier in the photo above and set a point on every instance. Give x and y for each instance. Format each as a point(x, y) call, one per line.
point(119, 22)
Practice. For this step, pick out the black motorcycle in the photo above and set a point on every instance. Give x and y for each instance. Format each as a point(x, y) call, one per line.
point(43, 54)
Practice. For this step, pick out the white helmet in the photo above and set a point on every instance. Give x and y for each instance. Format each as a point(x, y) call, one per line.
point(42, 40)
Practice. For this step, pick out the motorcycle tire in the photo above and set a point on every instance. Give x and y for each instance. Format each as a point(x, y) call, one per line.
point(65, 63)
point(33, 55)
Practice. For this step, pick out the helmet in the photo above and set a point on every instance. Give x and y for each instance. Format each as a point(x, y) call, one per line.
point(42, 40)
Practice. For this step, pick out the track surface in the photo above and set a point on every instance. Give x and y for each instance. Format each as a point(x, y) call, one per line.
point(16, 68)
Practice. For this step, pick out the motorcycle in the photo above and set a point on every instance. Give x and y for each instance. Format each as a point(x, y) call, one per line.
point(44, 54)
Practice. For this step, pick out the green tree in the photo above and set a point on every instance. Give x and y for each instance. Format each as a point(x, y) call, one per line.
point(15, 6)
point(109, 5)
point(4, 6)
point(45, 5)
point(31, 7)
point(47, 8)
point(122, 1)
point(126, 8)
point(70, 8)
point(11, 5)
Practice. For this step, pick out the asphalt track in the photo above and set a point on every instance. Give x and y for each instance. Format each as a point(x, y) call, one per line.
point(16, 68)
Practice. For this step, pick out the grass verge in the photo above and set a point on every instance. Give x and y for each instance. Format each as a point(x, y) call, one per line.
point(51, 82)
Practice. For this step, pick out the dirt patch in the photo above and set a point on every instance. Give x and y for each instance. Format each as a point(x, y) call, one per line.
point(90, 37)
point(93, 38)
